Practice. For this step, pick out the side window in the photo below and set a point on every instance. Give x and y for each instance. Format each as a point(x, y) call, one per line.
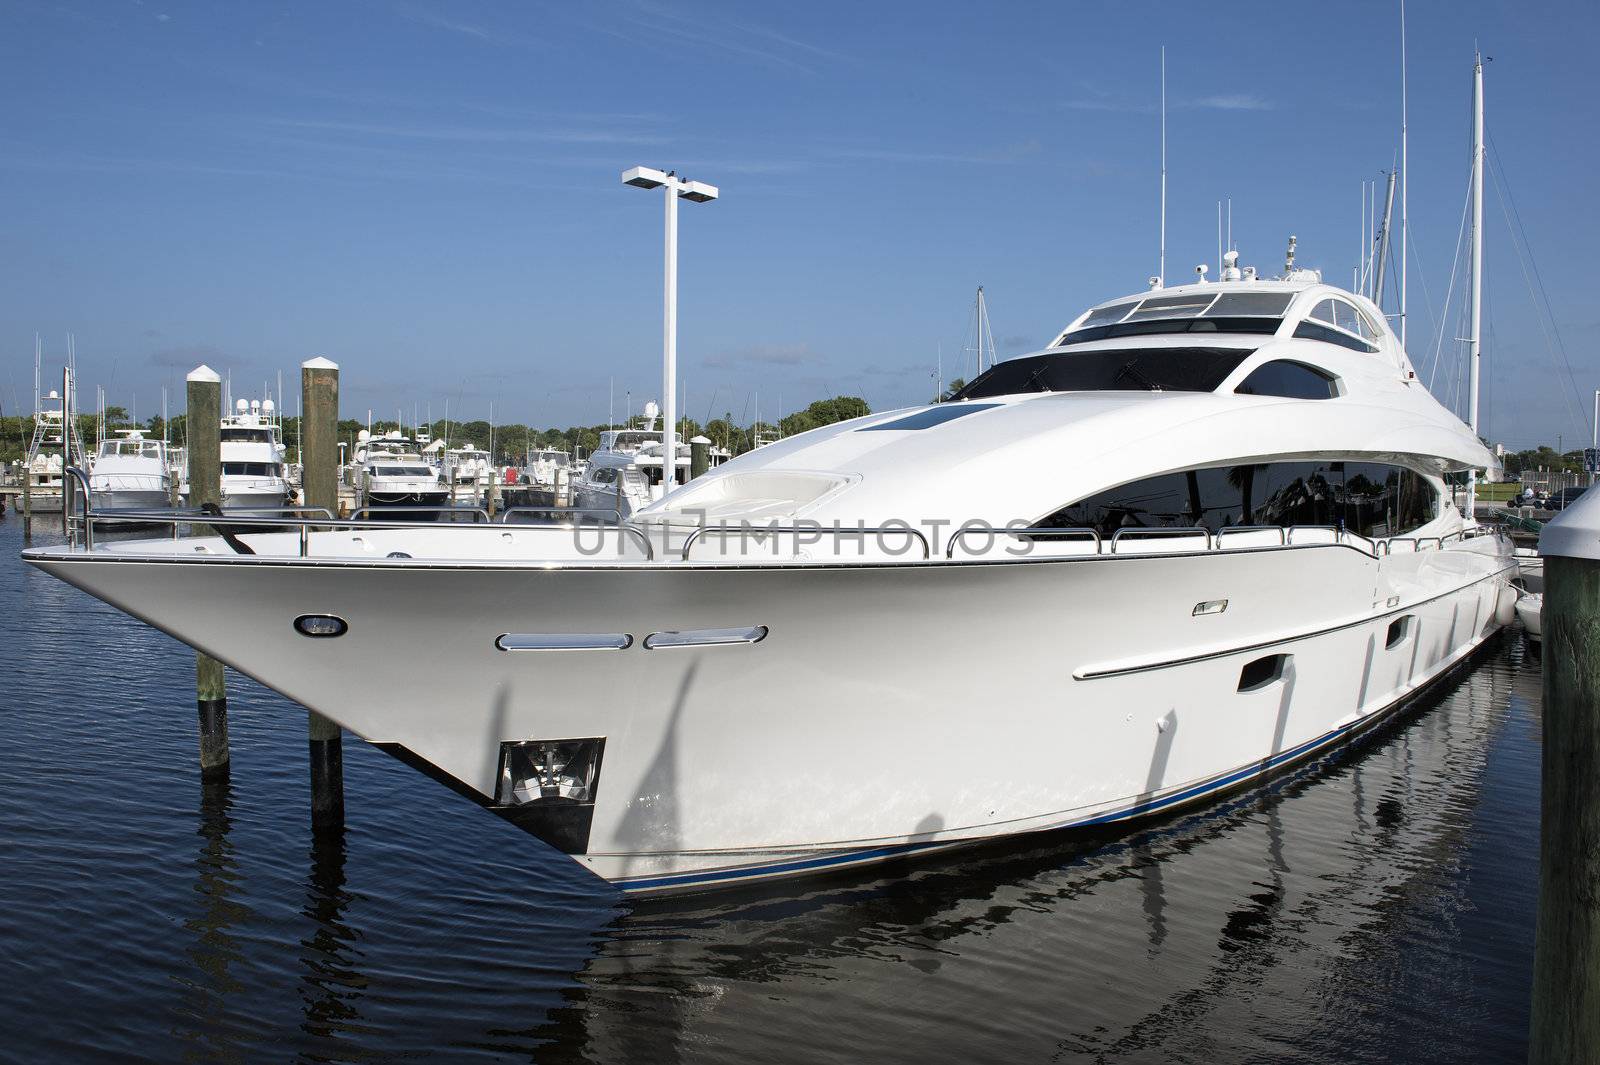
point(1324, 312)
point(1368, 498)
point(1293, 380)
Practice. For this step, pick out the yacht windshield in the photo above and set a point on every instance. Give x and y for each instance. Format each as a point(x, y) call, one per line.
point(1116, 370)
point(401, 471)
point(1227, 312)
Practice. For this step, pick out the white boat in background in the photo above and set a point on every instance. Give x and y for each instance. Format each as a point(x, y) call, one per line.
point(131, 473)
point(254, 476)
point(48, 449)
point(467, 472)
point(395, 481)
point(548, 474)
point(625, 473)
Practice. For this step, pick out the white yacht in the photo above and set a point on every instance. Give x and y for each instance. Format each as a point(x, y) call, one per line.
point(43, 464)
point(467, 472)
point(395, 481)
point(548, 475)
point(254, 476)
point(1251, 559)
point(624, 473)
point(131, 473)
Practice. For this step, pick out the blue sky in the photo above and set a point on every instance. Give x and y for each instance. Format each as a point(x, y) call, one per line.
point(429, 195)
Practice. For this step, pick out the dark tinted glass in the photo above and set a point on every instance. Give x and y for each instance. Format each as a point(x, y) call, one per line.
point(1313, 331)
point(1290, 379)
point(1208, 324)
point(1368, 498)
point(932, 416)
point(1124, 369)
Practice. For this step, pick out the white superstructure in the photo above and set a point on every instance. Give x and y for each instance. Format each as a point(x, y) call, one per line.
point(254, 476)
point(131, 473)
point(625, 473)
point(52, 442)
point(395, 479)
point(1230, 548)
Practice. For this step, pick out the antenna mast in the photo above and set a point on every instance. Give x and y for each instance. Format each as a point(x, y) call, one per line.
point(1405, 176)
point(1161, 268)
point(38, 354)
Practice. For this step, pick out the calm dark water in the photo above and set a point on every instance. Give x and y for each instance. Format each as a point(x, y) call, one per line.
point(1377, 906)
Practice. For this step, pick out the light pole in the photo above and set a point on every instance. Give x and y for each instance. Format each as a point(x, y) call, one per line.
point(643, 177)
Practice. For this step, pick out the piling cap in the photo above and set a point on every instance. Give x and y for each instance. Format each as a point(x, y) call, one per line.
point(204, 373)
point(1575, 533)
point(699, 440)
point(319, 363)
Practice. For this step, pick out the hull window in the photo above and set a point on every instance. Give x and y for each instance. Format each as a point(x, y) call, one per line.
point(705, 637)
point(320, 626)
point(1263, 672)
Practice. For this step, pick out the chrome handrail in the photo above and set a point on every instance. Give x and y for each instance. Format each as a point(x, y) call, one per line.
point(1338, 532)
point(1186, 530)
point(476, 512)
point(1282, 531)
point(68, 517)
point(950, 551)
point(574, 511)
point(699, 531)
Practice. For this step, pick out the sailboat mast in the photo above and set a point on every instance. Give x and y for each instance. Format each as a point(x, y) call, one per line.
point(1405, 176)
point(1475, 348)
point(1161, 269)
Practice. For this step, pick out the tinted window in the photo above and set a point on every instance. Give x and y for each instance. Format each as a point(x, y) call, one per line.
point(1172, 307)
point(1292, 380)
point(250, 469)
point(1259, 304)
point(1124, 369)
point(932, 416)
point(1208, 324)
point(1369, 498)
point(1309, 330)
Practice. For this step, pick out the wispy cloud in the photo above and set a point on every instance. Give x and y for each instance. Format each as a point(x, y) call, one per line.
point(1099, 101)
point(471, 134)
point(430, 17)
point(765, 355)
point(664, 28)
point(1239, 101)
point(1009, 154)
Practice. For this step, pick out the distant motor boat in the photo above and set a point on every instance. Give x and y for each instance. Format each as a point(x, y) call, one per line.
point(254, 476)
point(396, 482)
point(131, 473)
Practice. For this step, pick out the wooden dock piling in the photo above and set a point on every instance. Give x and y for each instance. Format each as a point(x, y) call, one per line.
point(204, 419)
point(1566, 971)
point(699, 456)
point(319, 386)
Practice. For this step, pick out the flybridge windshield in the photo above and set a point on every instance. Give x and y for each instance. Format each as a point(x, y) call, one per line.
point(1118, 370)
point(1196, 312)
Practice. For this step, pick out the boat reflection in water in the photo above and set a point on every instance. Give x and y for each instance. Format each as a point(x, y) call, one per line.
point(1320, 918)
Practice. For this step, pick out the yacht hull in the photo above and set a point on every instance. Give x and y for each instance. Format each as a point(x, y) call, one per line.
point(888, 710)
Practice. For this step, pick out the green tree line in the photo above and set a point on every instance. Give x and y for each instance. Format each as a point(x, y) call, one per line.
point(510, 441)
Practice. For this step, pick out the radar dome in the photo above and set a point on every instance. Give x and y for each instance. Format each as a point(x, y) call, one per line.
point(242, 406)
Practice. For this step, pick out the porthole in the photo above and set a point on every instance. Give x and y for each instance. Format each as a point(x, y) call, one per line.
point(320, 626)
